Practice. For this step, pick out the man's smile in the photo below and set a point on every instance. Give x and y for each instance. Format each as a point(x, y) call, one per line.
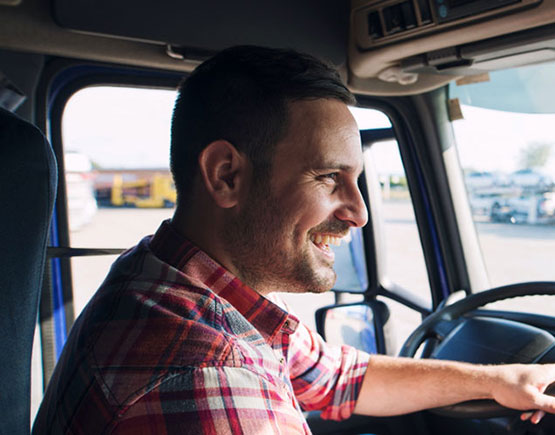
point(323, 241)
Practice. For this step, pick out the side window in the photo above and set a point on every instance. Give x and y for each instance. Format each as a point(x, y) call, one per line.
point(401, 256)
point(119, 188)
point(118, 185)
point(404, 259)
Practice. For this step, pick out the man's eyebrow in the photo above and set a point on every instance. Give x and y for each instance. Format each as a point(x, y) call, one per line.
point(323, 166)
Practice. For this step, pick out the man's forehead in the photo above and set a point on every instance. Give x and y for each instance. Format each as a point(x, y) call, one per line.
point(318, 110)
point(324, 127)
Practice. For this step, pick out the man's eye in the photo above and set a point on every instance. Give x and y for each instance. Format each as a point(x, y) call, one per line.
point(332, 176)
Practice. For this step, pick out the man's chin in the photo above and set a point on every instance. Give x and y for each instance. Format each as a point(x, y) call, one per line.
point(310, 284)
point(318, 290)
point(323, 282)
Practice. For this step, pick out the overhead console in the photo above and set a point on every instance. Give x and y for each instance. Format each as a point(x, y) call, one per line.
point(384, 22)
point(403, 47)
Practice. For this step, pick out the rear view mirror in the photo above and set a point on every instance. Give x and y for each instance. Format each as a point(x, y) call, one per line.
point(360, 325)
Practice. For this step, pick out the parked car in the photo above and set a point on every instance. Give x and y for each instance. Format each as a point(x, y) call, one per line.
point(81, 202)
point(480, 180)
point(482, 204)
point(525, 208)
point(530, 178)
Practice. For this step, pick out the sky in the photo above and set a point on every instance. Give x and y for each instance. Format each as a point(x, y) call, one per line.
point(119, 127)
point(491, 140)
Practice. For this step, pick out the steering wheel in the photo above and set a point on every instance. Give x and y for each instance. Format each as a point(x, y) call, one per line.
point(428, 328)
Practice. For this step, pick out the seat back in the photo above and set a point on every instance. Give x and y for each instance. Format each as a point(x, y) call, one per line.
point(28, 177)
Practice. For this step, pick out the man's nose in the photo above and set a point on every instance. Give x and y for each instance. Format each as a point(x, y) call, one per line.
point(353, 209)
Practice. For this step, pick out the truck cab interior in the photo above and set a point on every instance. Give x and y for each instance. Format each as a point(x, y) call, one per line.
point(456, 107)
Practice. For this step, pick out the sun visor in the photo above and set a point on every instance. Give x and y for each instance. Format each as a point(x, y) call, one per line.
point(319, 27)
point(521, 48)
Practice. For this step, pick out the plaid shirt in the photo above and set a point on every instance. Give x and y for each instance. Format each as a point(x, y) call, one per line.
point(174, 343)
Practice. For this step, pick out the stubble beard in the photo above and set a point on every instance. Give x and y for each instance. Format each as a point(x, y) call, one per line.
point(250, 239)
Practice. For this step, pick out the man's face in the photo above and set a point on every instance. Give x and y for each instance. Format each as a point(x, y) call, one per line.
point(280, 239)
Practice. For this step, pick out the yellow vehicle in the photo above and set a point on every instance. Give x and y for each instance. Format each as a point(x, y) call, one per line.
point(157, 192)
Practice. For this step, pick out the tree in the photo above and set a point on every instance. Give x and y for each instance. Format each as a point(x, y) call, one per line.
point(535, 155)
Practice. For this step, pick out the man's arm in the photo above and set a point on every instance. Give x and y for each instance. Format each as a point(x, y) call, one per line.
point(394, 386)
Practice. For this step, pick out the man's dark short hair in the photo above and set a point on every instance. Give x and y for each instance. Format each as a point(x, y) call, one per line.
point(241, 95)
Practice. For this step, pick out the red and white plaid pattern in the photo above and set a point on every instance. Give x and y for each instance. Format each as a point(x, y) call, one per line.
point(174, 343)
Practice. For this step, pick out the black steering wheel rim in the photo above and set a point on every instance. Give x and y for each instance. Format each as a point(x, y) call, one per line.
point(470, 303)
point(474, 408)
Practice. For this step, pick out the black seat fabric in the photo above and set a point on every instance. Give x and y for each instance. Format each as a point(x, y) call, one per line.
point(28, 185)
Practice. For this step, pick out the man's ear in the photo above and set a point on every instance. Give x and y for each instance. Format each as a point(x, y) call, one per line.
point(224, 172)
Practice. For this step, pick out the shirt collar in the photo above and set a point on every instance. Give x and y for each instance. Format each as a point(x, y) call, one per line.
point(173, 248)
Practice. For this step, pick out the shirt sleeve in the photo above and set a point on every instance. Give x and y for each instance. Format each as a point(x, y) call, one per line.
point(325, 377)
point(214, 400)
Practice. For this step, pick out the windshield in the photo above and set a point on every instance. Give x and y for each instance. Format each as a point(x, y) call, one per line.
point(506, 147)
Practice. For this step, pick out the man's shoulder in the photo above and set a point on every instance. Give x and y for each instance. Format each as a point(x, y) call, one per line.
point(155, 331)
point(147, 315)
point(153, 323)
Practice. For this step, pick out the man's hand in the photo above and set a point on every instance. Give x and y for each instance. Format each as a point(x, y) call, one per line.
point(395, 386)
point(523, 387)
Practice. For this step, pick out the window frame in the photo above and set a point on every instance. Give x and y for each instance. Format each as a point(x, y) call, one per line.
point(413, 121)
point(60, 80)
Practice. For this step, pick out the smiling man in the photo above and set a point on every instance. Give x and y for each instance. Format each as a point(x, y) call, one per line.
point(273, 230)
point(185, 336)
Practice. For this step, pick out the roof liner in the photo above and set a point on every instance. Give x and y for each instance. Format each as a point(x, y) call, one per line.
point(319, 27)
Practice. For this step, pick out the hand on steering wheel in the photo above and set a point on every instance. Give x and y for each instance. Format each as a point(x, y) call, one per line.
point(474, 408)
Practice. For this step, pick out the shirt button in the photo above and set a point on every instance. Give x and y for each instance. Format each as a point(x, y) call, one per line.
point(281, 360)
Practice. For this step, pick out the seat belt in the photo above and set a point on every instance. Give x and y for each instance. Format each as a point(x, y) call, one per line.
point(46, 307)
point(67, 252)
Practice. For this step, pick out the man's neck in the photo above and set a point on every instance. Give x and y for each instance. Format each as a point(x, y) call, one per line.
point(204, 229)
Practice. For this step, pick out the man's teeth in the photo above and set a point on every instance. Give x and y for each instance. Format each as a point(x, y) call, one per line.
point(325, 239)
